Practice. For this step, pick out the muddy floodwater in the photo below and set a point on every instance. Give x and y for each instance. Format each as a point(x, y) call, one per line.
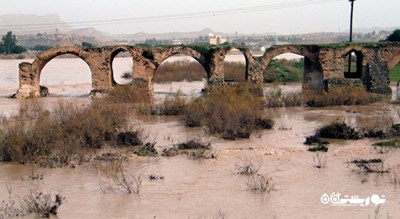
point(210, 188)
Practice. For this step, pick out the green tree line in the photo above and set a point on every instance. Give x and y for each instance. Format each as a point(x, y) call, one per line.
point(9, 45)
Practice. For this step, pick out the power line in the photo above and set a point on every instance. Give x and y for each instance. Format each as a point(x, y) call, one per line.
point(181, 16)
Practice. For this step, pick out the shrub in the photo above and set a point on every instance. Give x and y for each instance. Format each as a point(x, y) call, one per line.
point(179, 71)
point(129, 138)
point(194, 149)
point(375, 165)
point(313, 139)
point(247, 165)
point(319, 147)
point(234, 72)
point(384, 147)
point(54, 138)
point(259, 184)
point(320, 160)
point(127, 94)
point(277, 98)
point(172, 105)
point(115, 176)
point(231, 111)
point(338, 130)
point(339, 96)
point(391, 143)
point(43, 203)
point(147, 150)
point(37, 201)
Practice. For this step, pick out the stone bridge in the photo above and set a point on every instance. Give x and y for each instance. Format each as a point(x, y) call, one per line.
point(321, 63)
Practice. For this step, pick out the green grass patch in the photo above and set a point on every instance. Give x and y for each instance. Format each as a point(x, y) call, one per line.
point(284, 71)
point(394, 74)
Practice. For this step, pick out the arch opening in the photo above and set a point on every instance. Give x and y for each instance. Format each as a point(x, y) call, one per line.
point(67, 75)
point(353, 64)
point(285, 68)
point(179, 73)
point(235, 67)
point(122, 67)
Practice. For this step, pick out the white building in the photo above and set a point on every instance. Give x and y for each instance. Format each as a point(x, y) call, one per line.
point(216, 40)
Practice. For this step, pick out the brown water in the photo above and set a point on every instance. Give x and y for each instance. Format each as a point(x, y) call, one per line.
point(203, 188)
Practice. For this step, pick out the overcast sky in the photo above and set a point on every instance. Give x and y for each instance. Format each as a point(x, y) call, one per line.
point(316, 16)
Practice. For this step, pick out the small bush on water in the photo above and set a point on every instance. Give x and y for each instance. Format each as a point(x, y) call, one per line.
point(37, 201)
point(320, 160)
point(319, 147)
point(115, 176)
point(194, 149)
point(247, 165)
point(258, 183)
point(147, 150)
point(338, 130)
point(375, 165)
point(232, 111)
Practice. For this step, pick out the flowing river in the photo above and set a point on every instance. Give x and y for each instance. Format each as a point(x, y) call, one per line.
point(210, 188)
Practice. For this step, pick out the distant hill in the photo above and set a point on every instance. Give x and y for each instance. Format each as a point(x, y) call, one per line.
point(23, 19)
point(92, 32)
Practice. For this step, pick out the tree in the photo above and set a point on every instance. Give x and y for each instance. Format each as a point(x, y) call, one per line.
point(395, 36)
point(9, 42)
point(9, 45)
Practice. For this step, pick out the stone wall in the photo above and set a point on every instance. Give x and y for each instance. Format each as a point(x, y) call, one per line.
point(344, 83)
point(378, 77)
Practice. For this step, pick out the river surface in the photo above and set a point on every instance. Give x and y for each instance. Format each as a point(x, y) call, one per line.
point(210, 188)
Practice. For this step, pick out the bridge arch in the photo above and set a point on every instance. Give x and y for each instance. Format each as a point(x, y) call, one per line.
point(161, 55)
point(393, 61)
point(45, 57)
point(123, 71)
point(286, 67)
point(313, 75)
point(235, 69)
point(274, 51)
point(179, 73)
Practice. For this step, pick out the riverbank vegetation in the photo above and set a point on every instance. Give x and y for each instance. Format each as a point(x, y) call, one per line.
point(232, 112)
point(57, 137)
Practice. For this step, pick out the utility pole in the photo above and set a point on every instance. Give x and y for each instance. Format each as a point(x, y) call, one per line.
point(351, 29)
point(351, 19)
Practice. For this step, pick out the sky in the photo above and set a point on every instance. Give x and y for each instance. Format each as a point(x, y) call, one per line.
point(251, 16)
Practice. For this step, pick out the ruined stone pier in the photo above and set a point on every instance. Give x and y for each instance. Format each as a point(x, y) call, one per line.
point(322, 64)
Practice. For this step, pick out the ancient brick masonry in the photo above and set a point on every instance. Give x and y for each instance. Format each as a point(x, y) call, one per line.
point(321, 62)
